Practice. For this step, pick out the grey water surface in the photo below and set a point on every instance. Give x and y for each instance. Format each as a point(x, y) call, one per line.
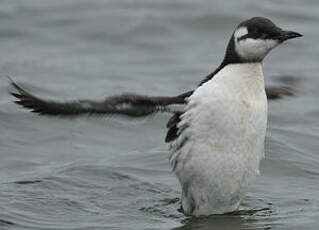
point(113, 172)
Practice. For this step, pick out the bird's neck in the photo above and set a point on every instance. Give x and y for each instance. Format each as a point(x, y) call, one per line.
point(244, 76)
point(231, 57)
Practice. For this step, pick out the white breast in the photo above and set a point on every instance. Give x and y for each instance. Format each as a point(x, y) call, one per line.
point(217, 155)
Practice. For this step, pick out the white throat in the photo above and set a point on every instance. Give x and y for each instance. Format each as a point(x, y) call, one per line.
point(244, 76)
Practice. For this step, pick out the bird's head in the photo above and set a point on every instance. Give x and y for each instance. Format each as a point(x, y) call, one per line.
point(254, 38)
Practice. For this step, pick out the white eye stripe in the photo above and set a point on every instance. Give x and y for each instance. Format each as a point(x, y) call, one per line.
point(241, 31)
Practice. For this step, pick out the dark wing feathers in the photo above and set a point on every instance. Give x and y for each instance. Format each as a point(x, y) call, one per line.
point(133, 105)
point(126, 104)
point(172, 123)
point(47, 107)
point(274, 93)
point(173, 120)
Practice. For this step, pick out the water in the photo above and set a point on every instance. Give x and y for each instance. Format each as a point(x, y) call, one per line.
point(113, 173)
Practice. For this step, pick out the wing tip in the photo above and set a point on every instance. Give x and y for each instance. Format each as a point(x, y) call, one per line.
point(24, 98)
point(275, 93)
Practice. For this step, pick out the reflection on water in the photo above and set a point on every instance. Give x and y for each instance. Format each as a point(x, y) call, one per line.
point(113, 173)
point(241, 219)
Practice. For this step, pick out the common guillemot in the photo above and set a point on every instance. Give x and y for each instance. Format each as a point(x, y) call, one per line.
point(217, 140)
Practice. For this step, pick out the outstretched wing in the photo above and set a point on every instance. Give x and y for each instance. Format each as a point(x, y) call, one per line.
point(133, 105)
point(274, 93)
point(127, 104)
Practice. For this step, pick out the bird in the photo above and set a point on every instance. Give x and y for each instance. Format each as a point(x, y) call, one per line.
point(216, 140)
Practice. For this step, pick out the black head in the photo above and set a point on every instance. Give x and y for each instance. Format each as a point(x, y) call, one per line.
point(254, 38)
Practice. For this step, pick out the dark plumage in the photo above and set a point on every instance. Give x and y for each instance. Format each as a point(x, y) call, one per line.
point(126, 104)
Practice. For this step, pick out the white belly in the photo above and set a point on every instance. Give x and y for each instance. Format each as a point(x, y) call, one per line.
point(217, 155)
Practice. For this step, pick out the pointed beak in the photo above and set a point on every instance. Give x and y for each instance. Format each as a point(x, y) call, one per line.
point(286, 35)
